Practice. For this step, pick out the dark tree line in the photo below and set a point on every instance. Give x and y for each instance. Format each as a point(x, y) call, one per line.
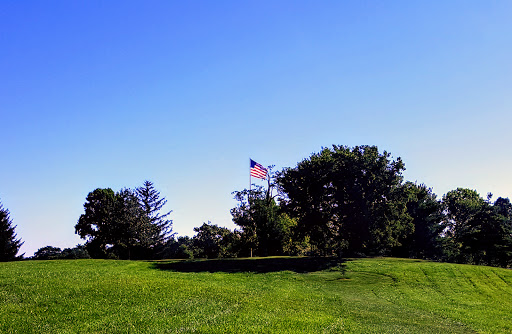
point(55, 253)
point(341, 201)
point(354, 202)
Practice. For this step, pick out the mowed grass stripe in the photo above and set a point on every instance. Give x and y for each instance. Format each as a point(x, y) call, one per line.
point(471, 295)
point(380, 295)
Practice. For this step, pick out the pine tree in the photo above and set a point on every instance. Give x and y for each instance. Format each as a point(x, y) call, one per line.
point(9, 246)
point(152, 203)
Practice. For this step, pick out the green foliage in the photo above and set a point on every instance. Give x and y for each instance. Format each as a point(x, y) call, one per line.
point(127, 224)
point(427, 217)
point(78, 252)
point(347, 200)
point(9, 245)
point(48, 253)
point(98, 222)
point(361, 296)
point(115, 224)
point(477, 231)
point(152, 204)
point(183, 248)
point(55, 253)
point(352, 202)
point(212, 241)
point(461, 206)
point(265, 229)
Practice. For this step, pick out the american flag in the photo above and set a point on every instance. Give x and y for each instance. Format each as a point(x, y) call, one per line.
point(258, 170)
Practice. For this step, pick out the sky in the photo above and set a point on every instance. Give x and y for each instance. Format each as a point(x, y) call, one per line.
point(108, 94)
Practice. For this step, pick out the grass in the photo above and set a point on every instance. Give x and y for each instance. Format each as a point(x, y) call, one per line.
point(381, 295)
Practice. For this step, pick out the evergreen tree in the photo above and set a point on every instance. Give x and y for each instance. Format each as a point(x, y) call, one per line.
point(9, 245)
point(152, 203)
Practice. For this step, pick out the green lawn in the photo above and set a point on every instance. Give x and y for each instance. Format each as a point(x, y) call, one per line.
point(381, 295)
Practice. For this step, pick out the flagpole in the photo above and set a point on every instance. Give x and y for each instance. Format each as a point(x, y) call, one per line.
point(249, 195)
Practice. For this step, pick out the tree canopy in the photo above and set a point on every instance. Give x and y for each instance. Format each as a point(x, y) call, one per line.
point(347, 200)
point(340, 201)
point(125, 224)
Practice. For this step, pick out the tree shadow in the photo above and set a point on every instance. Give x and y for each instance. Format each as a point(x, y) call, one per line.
point(253, 265)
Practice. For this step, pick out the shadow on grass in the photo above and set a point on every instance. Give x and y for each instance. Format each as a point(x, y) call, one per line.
point(255, 265)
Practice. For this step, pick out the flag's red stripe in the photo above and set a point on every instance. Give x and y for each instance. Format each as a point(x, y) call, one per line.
point(258, 172)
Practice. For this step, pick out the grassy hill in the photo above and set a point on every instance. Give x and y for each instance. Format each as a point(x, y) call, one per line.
point(274, 295)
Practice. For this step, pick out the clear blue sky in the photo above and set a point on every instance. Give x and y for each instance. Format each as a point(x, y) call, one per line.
point(182, 93)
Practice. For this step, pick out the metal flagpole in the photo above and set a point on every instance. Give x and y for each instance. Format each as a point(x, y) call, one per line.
point(249, 195)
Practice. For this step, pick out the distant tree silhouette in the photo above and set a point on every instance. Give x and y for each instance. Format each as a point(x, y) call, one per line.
point(55, 253)
point(9, 245)
point(47, 253)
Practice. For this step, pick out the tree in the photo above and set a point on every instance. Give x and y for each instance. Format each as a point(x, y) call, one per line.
point(500, 251)
point(55, 253)
point(48, 253)
point(265, 229)
point(307, 193)
point(347, 200)
point(487, 240)
point(427, 217)
point(9, 245)
point(77, 252)
point(152, 205)
point(212, 241)
point(461, 206)
point(114, 224)
point(477, 231)
point(182, 248)
point(98, 223)
point(134, 235)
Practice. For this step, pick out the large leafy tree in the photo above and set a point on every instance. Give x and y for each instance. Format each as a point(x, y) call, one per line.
point(488, 239)
point(461, 206)
point(115, 223)
point(97, 225)
point(9, 245)
point(348, 200)
point(477, 231)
